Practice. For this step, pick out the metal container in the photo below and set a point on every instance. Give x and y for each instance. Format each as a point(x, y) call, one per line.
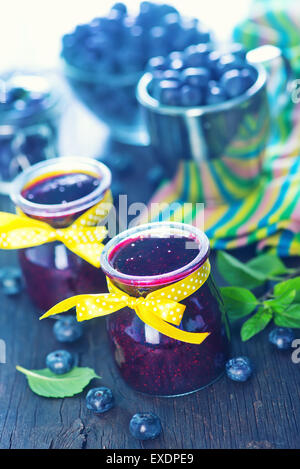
point(222, 145)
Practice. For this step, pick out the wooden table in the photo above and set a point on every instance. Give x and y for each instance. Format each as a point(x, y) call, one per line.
point(261, 413)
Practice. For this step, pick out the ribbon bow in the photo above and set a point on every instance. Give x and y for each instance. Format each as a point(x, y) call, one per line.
point(82, 237)
point(160, 309)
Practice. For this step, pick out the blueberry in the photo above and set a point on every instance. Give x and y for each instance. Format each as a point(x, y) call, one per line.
point(167, 92)
point(239, 369)
point(215, 94)
point(67, 329)
point(145, 426)
point(228, 62)
point(197, 56)
point(190, 96)
point(282, 337)
point(176, 60)
point(100, 400)
point(234, 83)
point(157, 63)
point(170, 75)
point(172, 24)
point(120, 7)
point(60, 362)
point(198, 77)
point(11, 281)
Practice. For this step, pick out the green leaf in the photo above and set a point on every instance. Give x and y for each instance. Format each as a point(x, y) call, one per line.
point(290, 317)
point(288, 285)
point(236, 273)
point(256, 323)
point(45, 383)
point(268, 264)
point(239, 302)
point(280, 303)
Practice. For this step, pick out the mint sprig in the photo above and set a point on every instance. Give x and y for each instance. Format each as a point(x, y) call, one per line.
point(281, 303)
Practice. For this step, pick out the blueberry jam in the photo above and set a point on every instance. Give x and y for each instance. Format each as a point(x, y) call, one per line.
point(149, 361)
point(153, 256)
point(60, 188)
point(51, 271)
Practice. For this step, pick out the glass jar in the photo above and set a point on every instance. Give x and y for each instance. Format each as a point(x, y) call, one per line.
point(149, 361)
point(51, 271)
point(30, 107)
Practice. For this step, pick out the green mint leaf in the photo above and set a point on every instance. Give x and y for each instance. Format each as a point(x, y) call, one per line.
point(237, 273)
point(280, 303)
point(288, 285)
point(268, 264)
point(45, 383)
point(256, 323)
point(239, 302)
point(290, 317)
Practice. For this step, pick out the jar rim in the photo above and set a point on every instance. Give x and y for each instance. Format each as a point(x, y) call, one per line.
point(156, 228)
point(65, 164)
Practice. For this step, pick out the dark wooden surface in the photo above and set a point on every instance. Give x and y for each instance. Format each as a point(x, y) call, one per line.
point(261, 413)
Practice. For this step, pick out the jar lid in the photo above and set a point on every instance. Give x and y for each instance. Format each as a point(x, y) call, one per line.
point(156, 229)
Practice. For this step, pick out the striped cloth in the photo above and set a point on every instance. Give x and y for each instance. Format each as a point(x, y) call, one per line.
point(270, 215)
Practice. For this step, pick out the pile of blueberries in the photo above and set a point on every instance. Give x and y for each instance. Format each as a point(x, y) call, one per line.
point(29, 128)
point(120, 43)
point(201, 75)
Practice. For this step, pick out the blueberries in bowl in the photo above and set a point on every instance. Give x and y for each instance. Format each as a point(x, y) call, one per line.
point(104, 59)
point(200, 75)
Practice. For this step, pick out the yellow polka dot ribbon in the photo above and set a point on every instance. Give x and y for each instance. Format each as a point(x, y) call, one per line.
point(160, 309)
point(82, 237)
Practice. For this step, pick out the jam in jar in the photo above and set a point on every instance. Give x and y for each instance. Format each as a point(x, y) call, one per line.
point(59, 191)
point(147, 258)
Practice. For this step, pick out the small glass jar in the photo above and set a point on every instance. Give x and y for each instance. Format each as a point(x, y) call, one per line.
point(30, 107)
point(149, 361)
point(51, 271)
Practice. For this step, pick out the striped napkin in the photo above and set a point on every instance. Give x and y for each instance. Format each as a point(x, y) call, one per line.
point(270, 215)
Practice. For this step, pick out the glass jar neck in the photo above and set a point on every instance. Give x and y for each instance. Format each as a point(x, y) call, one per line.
point(63, 214)
point(140, 285)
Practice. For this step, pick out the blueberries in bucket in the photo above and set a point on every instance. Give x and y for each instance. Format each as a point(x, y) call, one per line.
point(203, 76)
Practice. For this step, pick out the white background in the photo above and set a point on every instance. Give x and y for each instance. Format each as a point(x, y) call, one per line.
point(30, 30)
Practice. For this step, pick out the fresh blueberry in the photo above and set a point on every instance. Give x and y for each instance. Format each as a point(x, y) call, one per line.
point(60, 362)
point(168, 92)
point(145, 426)
point(67, 329)
point(176, 60)
point(172, 24)
point(239, 369)
point(170, 75)
point(197, 56)
point(157, 64)
point(11, 281)
point(100, 400)
point(190, 96)
point(228, 62)
point(234, 83)
point(120, 7)
point(215, 94)
point(282, 337)
point(198, 77)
